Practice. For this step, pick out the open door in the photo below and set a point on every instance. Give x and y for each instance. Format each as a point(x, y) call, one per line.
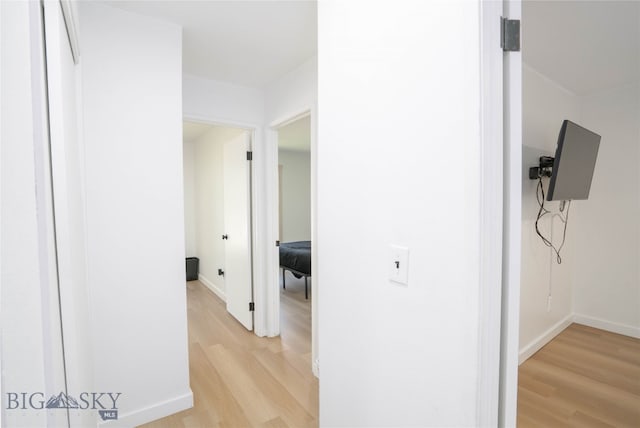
point(67, 181)
point(237, 223)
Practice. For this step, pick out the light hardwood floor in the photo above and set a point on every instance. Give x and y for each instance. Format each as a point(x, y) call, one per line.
point(241, 380)
point(585, 377)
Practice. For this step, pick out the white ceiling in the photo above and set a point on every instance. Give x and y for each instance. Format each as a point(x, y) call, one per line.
point(585, 46)
point(249, 43)
point(296, 136)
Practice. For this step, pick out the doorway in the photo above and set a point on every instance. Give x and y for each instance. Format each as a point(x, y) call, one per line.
point(544, 85)
point(294, 226)
point(218, 211)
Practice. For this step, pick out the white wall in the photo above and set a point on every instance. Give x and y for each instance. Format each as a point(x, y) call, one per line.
point(545, 106)
point(290, 95)
point(607, 238)
point(209, 204)
point(591, 286)
point(221, 101)
point(31, 351)
point(395, 355)
point(132, 97)
point(188, 166)
point(227, 104)
point(293, 92)
point(296, 195)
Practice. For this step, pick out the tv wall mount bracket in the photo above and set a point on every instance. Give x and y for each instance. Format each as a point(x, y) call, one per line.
point(543, 169)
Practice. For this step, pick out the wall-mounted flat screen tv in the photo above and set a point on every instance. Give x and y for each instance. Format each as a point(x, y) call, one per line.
point(574, 163)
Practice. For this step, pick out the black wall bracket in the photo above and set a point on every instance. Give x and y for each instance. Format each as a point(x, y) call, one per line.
point(543, 169)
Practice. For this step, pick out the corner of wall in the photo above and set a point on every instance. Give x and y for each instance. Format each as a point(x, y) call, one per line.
point(528, 350)
point(218, 291)
point(149, 414)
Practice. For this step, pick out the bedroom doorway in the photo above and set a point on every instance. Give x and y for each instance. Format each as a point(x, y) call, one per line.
point(294, 195)
point(218, 212)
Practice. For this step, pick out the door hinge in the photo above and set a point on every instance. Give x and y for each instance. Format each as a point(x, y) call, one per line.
point(277, 243)
point(249, 156)
point(252, 306)
point(510, 34)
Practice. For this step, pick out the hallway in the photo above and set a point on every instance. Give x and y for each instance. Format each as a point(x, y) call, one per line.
point(240, 380)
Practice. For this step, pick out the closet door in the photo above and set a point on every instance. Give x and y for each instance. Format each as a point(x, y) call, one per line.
point(237, 223)
point(67, 178)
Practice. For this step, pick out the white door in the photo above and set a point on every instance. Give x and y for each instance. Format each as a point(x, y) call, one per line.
point(69, 216)
point(237, 235)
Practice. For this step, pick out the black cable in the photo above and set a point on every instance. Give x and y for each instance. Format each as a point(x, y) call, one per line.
point(564, 233)
point(541, 213)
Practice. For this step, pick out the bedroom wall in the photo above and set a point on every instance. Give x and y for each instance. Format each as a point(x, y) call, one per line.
point(209, 204)
point(545, 105)
point(591, 286)
point(296, 195)
point(607, 279)
point(188, 166)
point(414, 348)
point(131, 97)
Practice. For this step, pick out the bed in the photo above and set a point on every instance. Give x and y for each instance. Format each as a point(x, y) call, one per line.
point(295, 257)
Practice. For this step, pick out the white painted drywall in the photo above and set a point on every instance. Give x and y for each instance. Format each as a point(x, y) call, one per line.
point(289, 96)
point(403, 107)
point(296, 195)
point(132, 104)
point(209, 204)
point(592, 286)
point(293, 92)
point(607, 238)
point(188, 166)
point(31, 349)
point(220, 101)
point(545, 106)
point(228, 104)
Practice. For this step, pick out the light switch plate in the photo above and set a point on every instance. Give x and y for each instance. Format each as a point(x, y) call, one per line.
point(399, 264)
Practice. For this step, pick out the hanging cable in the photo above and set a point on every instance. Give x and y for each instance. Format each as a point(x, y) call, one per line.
point(542, 212)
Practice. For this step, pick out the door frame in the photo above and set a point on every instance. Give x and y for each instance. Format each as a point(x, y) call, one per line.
point(500, 219)
point(512, 225)
point(257, 231)
point(273, 264)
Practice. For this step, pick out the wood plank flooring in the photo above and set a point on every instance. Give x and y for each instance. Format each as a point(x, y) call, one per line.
point(585, 377)
point(241, 380)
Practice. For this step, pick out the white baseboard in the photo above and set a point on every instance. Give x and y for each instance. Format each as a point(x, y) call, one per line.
point(211, 286)
point(151, 413)
point(544, 338)
point(613, 327)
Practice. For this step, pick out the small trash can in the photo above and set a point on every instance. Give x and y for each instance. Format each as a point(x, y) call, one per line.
point(192, 268)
